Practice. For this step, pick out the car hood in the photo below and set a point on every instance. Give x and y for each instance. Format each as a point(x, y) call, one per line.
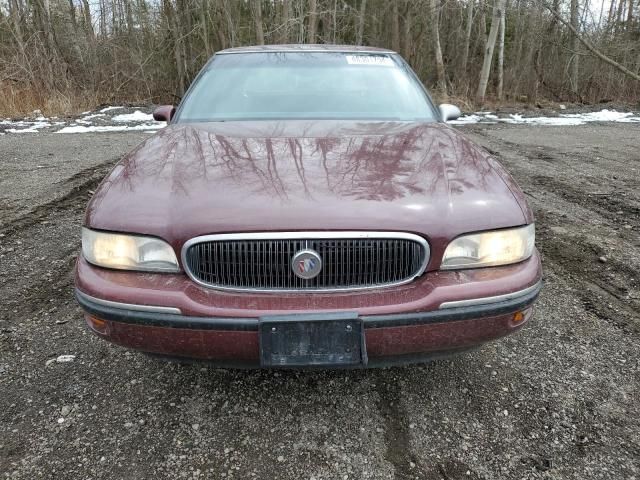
point(195, 179)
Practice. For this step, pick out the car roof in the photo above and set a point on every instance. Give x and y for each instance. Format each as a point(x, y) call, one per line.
point(304, 48)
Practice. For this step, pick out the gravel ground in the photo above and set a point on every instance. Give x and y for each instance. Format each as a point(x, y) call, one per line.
point(557, 400)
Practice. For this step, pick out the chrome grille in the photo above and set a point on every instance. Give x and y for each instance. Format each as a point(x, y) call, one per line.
point(350, 260)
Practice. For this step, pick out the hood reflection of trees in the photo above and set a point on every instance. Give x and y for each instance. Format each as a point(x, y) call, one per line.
point(378, 167)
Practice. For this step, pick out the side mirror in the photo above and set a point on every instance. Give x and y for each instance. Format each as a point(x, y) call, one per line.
point(449, 112)
point(164, 113)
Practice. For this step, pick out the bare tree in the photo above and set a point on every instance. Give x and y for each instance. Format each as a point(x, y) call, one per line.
point(498, 6)
point(286, 16)
point(575, 44)
point(257, 16)
point(178, 49)
point(467, 36)
point(361, 20)
point(407, 24)
point(442, 81)
point(593, 49)
point(482, 26)
point(88, 22)
point(204, 27)
point(313, 21)
point(395, 27)
point(14, 14)
point(501, 54)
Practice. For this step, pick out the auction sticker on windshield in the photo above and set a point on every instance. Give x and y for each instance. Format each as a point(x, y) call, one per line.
point(369, 60)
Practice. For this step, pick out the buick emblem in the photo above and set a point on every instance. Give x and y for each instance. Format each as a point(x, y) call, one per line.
point(306, 264)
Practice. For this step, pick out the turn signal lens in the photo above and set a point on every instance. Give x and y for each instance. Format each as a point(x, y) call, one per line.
point(128, 252)
point(97, 324)
point(518, 318)
point(499, 247)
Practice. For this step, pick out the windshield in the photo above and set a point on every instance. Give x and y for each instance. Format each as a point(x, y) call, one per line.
point(309, 85)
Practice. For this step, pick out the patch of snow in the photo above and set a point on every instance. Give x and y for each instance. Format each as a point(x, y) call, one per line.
point(136, 116)
point(604, 116)
point(108, 109)
point(29, 126)
point(23, 130)
point(111, 128)
point(517, 119)
point(467, 119)
point(567, 119)
point(25, 123)
point(95, 115)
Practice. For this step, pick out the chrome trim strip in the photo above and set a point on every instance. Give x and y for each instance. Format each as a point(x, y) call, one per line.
point(304, 50)
point(489, 300)
point(308, 235)
point(130, 306)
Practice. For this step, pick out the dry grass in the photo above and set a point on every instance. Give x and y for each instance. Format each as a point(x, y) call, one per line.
point(22, 101)
point(465, 104)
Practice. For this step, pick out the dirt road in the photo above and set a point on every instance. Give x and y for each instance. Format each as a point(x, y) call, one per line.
point(558, 400)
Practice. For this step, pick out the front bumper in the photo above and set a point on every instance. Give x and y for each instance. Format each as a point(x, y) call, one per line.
point(389, 338)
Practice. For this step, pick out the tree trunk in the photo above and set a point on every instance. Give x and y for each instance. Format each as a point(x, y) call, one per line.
point(79, 54)
point(46, 26)
point(88, 22)
point(102, 15)
point(313, 21)
point(257, 16)
point(220, 30)
point(178, 50)
point(467, 37)
point(501, 54)
point(361, 14)
point(483, 23)
point(72, 14)
point(488, 51)
point(575, 45)
point(395, 25)
point(129, 13)
point(300, 15)
point(610, 18)
point(226, 12)
point(204, 28)
point(114, 22)
point(334, 24)
point(442, 81)
point(286, 17)
point(407, 41)
point(14, 13)
point(619, 14)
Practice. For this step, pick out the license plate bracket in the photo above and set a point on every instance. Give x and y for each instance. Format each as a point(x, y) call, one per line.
point(312, 340)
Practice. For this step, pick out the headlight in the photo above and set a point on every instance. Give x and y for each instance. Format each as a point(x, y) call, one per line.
point(486, 249)
point(128, 252)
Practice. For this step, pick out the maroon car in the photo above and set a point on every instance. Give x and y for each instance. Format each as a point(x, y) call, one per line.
point(307, 206)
